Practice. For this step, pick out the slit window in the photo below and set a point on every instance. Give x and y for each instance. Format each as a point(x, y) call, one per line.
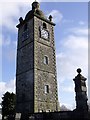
point(46, 89)
point(45, 60)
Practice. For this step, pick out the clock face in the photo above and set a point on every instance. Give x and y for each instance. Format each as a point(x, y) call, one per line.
point(44, 34)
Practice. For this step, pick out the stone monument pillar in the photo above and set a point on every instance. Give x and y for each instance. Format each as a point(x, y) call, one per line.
point(81, 92)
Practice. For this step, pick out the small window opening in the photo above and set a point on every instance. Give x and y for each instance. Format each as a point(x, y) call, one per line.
point(44, 25)
point(46, 89)
point(45, 60)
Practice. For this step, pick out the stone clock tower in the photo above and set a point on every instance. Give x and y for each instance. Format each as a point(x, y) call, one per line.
point(36, 82)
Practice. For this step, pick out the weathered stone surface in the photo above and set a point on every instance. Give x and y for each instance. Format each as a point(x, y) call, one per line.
point(44, 74)
point(32, 73)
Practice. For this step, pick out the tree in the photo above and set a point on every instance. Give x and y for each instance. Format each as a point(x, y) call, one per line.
point(64, 108)
point(8, 105)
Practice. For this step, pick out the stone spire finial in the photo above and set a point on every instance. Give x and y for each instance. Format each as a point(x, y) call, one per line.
point(50, 17)
point(79, 70)
point(35, 5)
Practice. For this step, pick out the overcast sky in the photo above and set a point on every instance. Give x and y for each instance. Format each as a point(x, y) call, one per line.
point(71, 41)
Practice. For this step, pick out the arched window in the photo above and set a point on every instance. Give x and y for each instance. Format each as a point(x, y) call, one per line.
point(46, 89)
point(44, 25)
point(46, 60)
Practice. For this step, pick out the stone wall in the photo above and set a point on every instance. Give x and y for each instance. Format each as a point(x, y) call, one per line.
point(45, 74)
point(25, 71)
point(32, 74)
point(66, 115)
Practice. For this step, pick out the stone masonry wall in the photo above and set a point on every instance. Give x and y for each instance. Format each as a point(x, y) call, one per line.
point(44, 74)
point(25, 72)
